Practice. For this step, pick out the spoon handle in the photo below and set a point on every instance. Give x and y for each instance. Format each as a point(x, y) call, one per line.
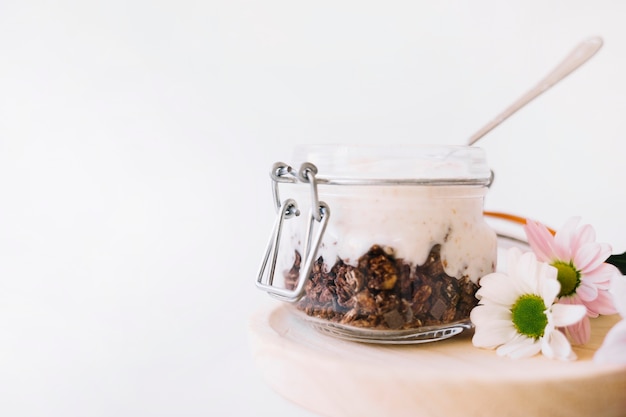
point(579, 55)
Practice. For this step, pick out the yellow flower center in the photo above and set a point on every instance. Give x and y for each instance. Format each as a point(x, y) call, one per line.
point(568, 276)
point(529, 317)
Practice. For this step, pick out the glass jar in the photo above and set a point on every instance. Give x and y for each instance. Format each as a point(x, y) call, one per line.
point(381, 244)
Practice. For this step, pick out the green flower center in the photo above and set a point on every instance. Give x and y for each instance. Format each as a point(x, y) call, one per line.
point(529, 317)
point(568, 276)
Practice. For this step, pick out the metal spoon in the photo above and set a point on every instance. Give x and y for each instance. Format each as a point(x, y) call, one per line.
point(579, 55)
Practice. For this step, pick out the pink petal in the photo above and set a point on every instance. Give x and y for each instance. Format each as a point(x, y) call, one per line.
point(572, 299)
point(575, 299)
point(602, 304)
point(540, 240)
point(563, 239)
point(601, 276)
point(591, 255)
point(613, 349)
point(588, 257)
point(584, 234)
point(579, 333)
point(587, 293)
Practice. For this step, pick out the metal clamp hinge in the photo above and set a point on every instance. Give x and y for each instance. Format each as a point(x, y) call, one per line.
point(287, 209)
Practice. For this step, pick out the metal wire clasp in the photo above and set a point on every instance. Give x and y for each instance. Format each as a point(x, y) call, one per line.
point(287, 209)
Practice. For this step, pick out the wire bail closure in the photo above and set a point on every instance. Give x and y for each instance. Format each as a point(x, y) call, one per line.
point(286, 209)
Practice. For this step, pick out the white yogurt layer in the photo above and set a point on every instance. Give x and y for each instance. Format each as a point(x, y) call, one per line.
point(359, 162)
point(409, 219)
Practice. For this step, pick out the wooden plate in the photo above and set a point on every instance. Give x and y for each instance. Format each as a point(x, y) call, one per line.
point(338, 378)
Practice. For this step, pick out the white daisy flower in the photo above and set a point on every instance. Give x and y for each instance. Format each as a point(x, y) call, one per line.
point(517, 313)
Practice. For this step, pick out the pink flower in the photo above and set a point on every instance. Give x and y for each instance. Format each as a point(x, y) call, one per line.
point(613, 349)
point(584, 276)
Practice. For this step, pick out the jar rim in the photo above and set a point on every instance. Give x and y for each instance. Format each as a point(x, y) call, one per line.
point(407, 164)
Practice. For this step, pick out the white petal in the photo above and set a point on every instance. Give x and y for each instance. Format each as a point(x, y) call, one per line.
point(550, 288)
point(526, 270)
point(520, 347)
point(497, 288)
point(613, 349)
point(513, 254)
point(548, 271)
point(486, 313)
point(618, 292)
point(526, 351)
point(513, 344)
point(493, 326)
point(555, 345)
point(567, 314)
point(494, 335)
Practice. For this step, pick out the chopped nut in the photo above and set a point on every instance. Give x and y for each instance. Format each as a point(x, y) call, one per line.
point(365, 302)
point(379, 269)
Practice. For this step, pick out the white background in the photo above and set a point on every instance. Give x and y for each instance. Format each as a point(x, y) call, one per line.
point(136, 139)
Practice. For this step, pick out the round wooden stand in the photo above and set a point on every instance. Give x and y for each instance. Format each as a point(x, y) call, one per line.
point(338, 378)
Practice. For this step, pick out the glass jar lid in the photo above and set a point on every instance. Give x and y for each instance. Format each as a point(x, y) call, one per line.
point(396, 164)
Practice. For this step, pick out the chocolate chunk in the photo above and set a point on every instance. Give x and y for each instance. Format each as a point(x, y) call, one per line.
point(393, 319)
point(438, 309)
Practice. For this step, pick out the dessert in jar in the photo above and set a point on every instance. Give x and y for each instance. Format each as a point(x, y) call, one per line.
point(381, 244)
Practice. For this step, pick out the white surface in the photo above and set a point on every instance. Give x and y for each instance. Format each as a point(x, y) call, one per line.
point(136, 137)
